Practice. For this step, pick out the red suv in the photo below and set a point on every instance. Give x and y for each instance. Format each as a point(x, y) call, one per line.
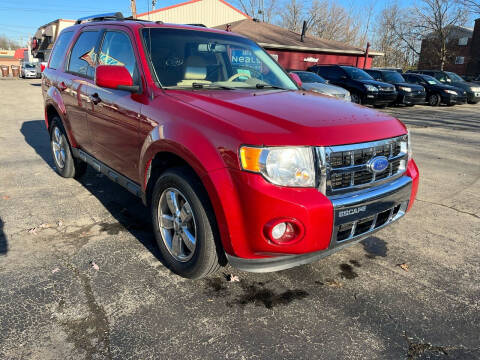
point(237, 163)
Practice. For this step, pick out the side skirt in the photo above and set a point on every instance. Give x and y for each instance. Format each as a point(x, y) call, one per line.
point(109, 172)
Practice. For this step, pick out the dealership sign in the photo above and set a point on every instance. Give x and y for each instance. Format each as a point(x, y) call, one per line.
point(311, 59)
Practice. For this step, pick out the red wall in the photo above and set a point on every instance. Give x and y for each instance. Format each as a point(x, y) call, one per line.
point(292, 60)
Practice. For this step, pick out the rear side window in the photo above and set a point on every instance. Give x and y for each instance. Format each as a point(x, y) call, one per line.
point(117, 50)
point(83, 57)
point(59, 51)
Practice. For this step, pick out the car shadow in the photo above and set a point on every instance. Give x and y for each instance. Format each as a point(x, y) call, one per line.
point(128, 210)
point(3, 240)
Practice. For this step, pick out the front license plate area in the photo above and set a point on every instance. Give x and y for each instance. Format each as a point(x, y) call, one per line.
point(354, 213)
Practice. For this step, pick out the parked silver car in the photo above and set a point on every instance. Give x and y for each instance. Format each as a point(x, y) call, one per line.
point(314, 82)
point(29, 70)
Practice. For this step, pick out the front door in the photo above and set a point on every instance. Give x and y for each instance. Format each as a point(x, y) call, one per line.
point(113, 119)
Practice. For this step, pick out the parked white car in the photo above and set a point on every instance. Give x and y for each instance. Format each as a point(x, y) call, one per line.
point(314, 82)
point(29, 70)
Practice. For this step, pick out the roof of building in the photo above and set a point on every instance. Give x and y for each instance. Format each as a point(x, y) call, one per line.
point(275, 37)
point(191, 2)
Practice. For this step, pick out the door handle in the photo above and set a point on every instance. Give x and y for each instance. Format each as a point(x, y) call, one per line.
point(94, 98)
point(62, 86)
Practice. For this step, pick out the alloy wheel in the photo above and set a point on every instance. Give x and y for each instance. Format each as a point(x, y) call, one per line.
point(177, 224)
point(58, 146)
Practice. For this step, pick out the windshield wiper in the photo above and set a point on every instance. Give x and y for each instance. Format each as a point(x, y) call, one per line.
point(263, 86)
point(211, 86)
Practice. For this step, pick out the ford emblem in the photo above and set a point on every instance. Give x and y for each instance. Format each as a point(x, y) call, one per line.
point(378, 164)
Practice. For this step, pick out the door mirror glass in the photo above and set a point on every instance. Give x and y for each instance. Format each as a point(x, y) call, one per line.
point(114, 77)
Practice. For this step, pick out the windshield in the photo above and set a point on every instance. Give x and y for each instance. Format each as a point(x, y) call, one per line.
point(393, 77)
point(29, 66)
point(357, 74)
point(203, 60)
point(455, 77)
point(309, 77)
point(431, 80)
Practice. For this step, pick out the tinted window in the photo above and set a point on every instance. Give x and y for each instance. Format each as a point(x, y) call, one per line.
point(309, 77)
point(393, 77)
point(83, 58)
point(117, 50)
point(431, 80)
point(330, 72)
point(377, 75)
point(454, 77)
point(356, 73)
point(412, 79)
point(60, 49)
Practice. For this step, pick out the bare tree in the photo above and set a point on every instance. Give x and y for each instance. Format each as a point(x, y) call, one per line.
point(8, 44)
point(472, 5)
point(262, 9)
point(435, 19)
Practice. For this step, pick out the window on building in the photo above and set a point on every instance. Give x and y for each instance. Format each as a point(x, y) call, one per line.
point(463, 41)
point(459, 60)
point(60, 48)
point(84, 58)
point(117, 50)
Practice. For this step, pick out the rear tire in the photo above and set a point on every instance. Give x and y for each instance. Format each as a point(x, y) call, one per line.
point(65, 164)
point(184, 224)
point(434, 100)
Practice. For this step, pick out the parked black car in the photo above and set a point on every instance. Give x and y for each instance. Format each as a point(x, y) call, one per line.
point(437, 92)
point(363, 88)
point(450, 78)
point(408, 94)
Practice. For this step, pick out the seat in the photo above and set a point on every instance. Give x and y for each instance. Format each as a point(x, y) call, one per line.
point(195, 72)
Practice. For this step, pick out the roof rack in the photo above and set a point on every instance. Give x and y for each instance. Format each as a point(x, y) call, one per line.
point(101, 17)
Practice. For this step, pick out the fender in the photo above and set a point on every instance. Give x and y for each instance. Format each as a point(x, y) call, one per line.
point(53, 98)
point(189, 144)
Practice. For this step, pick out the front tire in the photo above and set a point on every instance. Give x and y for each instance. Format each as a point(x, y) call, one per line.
point(434, 100)
point(356, 98)
point(184, 224)
point(65, 164)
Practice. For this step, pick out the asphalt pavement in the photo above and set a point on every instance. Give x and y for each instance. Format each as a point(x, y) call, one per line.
point(80, 276)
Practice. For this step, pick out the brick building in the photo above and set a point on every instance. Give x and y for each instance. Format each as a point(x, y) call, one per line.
point(463, 51)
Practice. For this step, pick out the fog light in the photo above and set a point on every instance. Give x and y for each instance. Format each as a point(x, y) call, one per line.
point(279, 230)
point(283, 231)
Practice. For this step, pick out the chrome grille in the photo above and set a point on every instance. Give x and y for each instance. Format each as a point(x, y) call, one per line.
point(346, 167)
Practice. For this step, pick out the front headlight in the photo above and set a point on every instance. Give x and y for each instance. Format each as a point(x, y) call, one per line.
point(451, 92)
point(406, 89)
point(371, 88)
point(284, 166)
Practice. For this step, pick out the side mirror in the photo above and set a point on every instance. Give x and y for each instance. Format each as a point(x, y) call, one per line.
point(296, 78)
point(114, 77)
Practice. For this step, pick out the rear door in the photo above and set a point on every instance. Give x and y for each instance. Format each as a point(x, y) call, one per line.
point(113, 117)
point(75, 82)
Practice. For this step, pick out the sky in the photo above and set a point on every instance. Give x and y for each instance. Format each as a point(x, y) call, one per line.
point(19, 19)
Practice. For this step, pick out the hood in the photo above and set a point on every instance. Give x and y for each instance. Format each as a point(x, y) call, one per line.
point(325, 88)
point(277, 117)
point(376, 83)
point(412, 86)
point(464, 85)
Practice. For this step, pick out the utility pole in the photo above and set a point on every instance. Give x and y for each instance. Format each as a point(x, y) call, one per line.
point(133, 5)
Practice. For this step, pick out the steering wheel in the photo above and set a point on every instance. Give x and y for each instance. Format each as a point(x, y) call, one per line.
point(236, 76)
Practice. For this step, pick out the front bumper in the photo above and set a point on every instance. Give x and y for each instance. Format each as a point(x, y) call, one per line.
point(381, 97)
point(473, 97)
point(412, 99)
point(352, 218)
